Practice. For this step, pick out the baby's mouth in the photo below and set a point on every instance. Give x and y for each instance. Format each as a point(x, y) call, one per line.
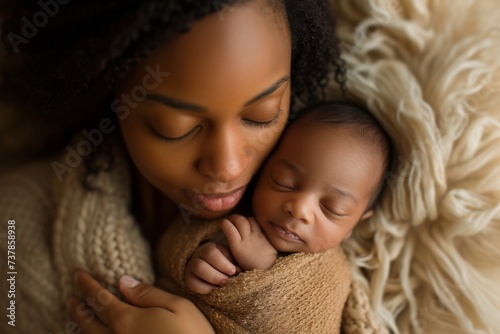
point(285, 234)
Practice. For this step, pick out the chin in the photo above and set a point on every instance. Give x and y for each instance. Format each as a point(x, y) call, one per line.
point(284, 246)
point(211, 215)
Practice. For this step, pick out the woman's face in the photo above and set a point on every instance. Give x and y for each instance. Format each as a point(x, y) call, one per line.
point(201, 113)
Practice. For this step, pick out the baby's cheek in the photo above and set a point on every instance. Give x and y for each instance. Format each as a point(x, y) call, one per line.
point(272, 203)
point(329, 237)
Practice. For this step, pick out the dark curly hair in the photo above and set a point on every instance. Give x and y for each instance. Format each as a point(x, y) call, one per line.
point(72, 52)
point(70, 66)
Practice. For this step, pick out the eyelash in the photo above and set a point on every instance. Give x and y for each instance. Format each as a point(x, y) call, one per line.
point(267, 124)
point(173, 140)
point(281, 185)
point(331, 212)
point(325, 210)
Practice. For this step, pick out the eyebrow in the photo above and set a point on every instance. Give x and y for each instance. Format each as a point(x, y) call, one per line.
point(183, 105)
point(343, 193)
point(291, 165)
point(274, 87)
point(331, 188)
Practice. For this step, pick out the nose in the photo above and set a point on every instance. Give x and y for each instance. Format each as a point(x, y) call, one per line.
point(300, 207)
point(223, 158)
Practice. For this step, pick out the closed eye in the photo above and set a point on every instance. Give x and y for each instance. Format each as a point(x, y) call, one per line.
point(266, 124)
point(329, 212)
point(281, 185)
point(191, 133)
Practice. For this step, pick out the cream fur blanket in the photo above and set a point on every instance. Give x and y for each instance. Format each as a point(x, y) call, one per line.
point(430, 71)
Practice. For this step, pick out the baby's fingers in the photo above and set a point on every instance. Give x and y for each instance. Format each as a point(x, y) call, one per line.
point(230, 231)
point(202, 278)
point(254, 226)
point(196, 284)
point(219, 257)
point(236, 228)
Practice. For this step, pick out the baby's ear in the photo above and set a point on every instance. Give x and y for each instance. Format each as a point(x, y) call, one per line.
point(366, 215)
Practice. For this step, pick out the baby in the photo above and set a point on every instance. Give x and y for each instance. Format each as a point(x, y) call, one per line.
point(324, 177)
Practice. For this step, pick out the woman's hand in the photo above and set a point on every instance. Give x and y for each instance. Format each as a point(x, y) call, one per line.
point(152, 310)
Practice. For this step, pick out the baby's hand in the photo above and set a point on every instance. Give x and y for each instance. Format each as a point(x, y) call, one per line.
point(248, 243)
point(209, 267)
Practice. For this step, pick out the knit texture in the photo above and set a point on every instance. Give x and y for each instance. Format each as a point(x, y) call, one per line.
point(301, 293)
point(62, 226)
point(94, 231)
point(26, 197)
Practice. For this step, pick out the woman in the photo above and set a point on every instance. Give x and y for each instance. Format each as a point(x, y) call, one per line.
point(200, 92)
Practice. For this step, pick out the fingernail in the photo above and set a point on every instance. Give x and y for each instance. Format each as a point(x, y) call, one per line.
point(128, 281)
point(223, 281)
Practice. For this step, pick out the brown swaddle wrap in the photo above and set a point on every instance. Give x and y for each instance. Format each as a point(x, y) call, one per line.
point(301, 293)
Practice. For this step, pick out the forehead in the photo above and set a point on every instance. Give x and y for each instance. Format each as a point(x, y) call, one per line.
point(241, 49)
point(311, 128)
point(335, 152)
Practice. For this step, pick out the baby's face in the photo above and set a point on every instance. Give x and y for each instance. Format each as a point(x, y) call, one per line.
point(315, 187)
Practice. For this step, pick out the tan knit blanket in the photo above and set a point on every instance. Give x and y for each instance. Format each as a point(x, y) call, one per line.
point(301, 293)
point(95, 231)
point(65, 227)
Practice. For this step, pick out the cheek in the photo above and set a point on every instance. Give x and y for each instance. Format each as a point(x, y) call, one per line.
point(258, 201)
point(266, 202)
point(152, 157)
point(327, 238)
point(333, 233)
point(259, 145)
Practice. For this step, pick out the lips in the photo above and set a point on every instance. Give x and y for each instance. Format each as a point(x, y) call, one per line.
point(219, 201)
point(285, 233)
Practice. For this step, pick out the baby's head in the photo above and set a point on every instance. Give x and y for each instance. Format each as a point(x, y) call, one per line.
point(323, 178)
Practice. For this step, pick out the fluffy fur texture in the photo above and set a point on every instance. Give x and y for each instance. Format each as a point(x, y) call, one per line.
point(430, 72)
